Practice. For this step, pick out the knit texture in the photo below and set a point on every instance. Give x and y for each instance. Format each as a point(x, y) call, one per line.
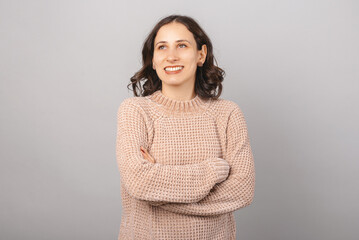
point(204, 167)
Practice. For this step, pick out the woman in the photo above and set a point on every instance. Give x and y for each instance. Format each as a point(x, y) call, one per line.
point(183, 153)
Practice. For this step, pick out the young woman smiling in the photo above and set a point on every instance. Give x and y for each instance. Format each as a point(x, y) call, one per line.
point(183, 152)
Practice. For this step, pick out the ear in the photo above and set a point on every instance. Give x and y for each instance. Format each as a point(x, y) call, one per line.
point(202, 55)
point(153, 66)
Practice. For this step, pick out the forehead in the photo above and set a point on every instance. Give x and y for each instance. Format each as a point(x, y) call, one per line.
point(172, 32)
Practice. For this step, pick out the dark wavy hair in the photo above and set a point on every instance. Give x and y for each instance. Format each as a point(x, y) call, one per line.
point(208, 77)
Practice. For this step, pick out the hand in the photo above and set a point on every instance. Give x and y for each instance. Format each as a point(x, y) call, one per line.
point(147, 156)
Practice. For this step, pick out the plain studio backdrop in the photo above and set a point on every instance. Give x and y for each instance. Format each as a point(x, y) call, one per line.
point(292, 67)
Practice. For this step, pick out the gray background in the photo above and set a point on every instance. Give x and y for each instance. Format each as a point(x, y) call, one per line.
point(292, 67)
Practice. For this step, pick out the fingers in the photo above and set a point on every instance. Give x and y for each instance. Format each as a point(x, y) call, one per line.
point(149, 156)
point(146, 155)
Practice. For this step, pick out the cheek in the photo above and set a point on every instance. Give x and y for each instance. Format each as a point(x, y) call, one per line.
point(188, 55)
point(157, 57)
point(190, 58)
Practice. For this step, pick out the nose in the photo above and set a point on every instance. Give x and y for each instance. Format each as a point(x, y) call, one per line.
point(172, 55)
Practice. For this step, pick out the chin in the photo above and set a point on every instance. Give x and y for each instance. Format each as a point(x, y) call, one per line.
point(173, 83)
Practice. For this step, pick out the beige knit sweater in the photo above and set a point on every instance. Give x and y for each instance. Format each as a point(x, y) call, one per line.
point(186, 194)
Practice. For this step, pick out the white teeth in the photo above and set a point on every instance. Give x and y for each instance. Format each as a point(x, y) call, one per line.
point(173, 69)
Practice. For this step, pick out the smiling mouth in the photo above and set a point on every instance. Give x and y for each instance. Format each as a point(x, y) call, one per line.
point(173, 69)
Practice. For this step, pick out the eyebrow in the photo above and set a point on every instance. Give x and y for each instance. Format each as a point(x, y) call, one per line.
point(181, 40)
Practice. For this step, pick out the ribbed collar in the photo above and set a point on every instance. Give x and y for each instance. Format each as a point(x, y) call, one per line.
point(179, 107)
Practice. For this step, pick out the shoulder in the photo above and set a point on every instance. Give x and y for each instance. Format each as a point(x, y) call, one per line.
point(228, 114)
point(224, 107)
point(231, 119)
point(133, 103)
point(136, 106)
point(129, 106)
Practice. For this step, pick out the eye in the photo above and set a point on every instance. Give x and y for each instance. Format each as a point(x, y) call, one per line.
point(182, 44)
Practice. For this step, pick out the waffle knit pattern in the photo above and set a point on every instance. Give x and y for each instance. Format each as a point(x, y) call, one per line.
point(204, 167)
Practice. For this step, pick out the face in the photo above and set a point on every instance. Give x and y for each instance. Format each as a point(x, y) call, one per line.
point(175, 46)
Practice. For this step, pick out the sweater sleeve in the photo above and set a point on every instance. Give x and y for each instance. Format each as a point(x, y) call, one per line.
point(155, 182)
point(238, 190)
